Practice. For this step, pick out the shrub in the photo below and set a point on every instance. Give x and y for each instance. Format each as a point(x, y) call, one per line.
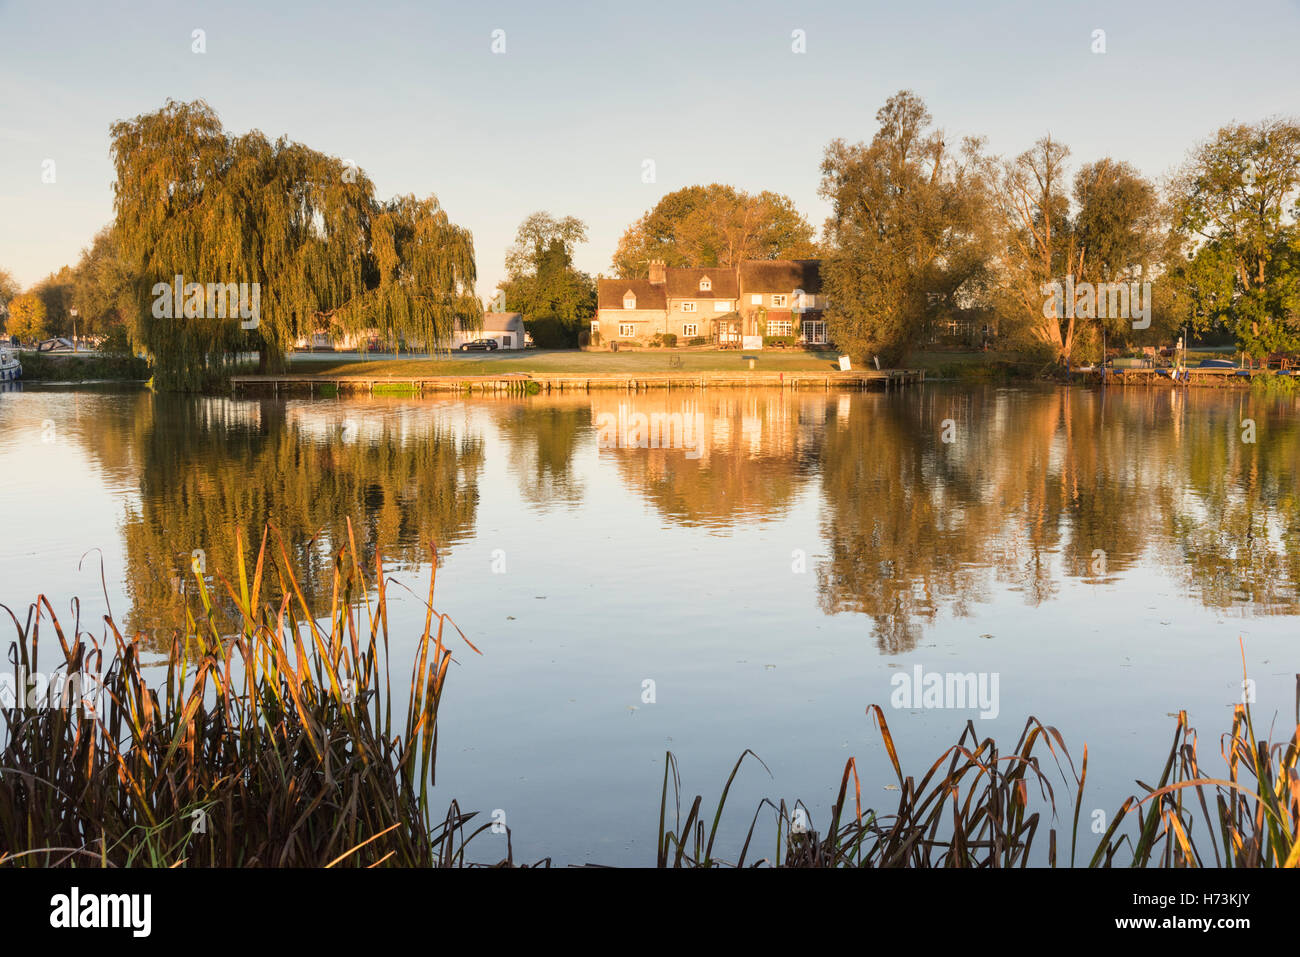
point(39, 366)
point(549, 332)
point(781, 342)
point(699, 341)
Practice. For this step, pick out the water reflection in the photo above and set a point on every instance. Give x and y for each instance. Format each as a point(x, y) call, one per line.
point(926, 503)
point(209, 467)
point(543, 437)
point(1034, 487)
point(712, 459)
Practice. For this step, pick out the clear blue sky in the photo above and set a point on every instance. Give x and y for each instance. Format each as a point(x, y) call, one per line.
point(711, 91)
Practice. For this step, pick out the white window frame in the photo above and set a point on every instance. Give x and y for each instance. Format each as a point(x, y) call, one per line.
point(690, 330)
point(814, 331)
point(706, 284)
point(785, 327)
point(626, 330)
point(688, 307)
point(756, 299)
point(779, 300)
point(595, 327)
point(722, 305)
point(629, 301)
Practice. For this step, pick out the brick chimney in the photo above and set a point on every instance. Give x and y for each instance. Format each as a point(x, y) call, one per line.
point(658, 273)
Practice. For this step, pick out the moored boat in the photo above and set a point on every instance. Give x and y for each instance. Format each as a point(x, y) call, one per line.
point(11, 369)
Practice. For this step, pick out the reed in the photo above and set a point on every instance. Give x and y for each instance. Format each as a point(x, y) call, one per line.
point(974, 807)
point(266, 737)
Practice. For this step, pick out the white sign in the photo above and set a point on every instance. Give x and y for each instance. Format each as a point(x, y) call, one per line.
point(845, 364)
point(751, 342)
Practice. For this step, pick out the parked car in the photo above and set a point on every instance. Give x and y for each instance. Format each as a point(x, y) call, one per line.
point(479, 345)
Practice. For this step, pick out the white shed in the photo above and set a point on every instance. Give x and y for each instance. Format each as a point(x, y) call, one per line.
point(507, 328)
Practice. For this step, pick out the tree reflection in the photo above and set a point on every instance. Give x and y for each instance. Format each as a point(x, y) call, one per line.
point(1038, 486)
point(544, 435)
point(210, 467)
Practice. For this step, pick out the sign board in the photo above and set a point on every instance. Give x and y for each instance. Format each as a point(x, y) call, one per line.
point(751, 342)
point(845, 364)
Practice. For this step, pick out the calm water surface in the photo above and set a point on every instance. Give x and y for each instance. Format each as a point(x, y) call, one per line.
point(770, 567)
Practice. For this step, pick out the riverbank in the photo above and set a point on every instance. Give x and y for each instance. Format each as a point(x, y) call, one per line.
point(563, 362)
point(44, 367)
point(520, 383)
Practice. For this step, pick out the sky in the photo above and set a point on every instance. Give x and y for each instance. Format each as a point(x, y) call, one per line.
point(584, 93)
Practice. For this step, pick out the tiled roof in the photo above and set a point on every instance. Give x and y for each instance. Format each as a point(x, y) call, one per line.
point(610, 293)
point(781, 275)
point(685, 283)
point(500, 321)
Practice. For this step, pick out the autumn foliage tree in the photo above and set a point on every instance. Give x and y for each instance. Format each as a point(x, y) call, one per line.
point(26, 317)
point(907, 239)
point(1101, 226)
point(714, 225)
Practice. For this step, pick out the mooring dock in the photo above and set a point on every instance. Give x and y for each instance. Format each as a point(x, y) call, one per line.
point(1211, 376)
point(523, 383)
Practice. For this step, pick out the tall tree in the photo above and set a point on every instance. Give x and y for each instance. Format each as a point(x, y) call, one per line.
point(714, 225)
point(55, 290)
point(26, 317)
point(1235, 208)
point(301, 228)
point(1104, 226)
point(907, 236)
point(9, 288)
point(1039, 246)
point(102, 285)
point(555, 299)
point(1123, 233)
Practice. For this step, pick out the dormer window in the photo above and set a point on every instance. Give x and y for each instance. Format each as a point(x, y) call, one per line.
point(629, 300)
point(706, 284)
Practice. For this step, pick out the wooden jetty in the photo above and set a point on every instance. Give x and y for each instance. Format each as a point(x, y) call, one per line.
point(522, 383)
point(1222, 377)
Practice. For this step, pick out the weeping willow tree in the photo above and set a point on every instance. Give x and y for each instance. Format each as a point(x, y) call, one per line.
point(300, 231)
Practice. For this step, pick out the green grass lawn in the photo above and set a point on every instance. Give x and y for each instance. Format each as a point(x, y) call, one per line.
point(571, 361)
point(942, 364)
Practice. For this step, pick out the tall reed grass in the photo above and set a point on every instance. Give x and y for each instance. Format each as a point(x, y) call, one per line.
point(977, 806)
point(272, 739)
point(268, 736)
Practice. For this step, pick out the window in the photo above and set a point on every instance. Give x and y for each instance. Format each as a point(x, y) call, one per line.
point(814, 332)
point(756, 299)
point(779, 327)
point(722, 305)
point(629, 300)
point(779, 300)
point(505, 342)
point(690, 329)
point(595, 328)
point(706, 284)
point(626, 330)
point(688, 307)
